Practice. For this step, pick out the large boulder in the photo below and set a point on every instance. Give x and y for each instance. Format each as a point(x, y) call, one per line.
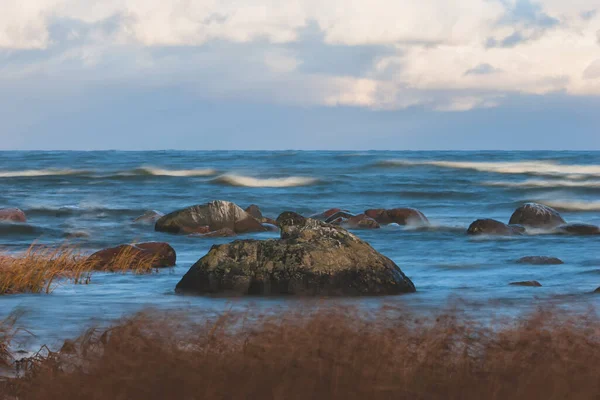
point(158, 254)
point(493, 227)
point(400, 216)
point(579, 229)
point(535, 215)
point(149, 217)
point(310, 258)
point(216, 215)
point(12, 215)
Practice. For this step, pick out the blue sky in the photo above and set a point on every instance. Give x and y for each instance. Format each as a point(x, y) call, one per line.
point(302, 74)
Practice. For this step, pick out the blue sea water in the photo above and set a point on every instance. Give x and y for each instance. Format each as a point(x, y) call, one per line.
point(97, 195)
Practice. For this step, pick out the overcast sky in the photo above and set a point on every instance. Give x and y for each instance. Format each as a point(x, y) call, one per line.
point(302, 74)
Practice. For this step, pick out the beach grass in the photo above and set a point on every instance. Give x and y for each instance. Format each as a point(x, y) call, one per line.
point(325, 353)
point(40, 268)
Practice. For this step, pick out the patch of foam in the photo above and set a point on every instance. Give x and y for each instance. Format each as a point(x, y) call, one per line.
point(247, 181)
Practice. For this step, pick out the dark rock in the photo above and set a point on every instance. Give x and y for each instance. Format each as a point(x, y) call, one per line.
point(493, 227)
point(536, 216)
point(149, 217)
point(160, 254)
point(597, 290)
point(579, 229)
point(216, 215)
point(311, 258)
point(540, 260)
point(527, 283)
point(400, 216)
point(12, 215)
point(254, 210)
point(360, 221)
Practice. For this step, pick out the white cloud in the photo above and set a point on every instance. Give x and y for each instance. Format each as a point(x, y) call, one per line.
point(430, 46)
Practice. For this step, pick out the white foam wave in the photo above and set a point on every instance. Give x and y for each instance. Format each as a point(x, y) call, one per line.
point(179, 173)
point(41, 172)
point(535, 183)
point(544, 168)
point(573, 205)
point(247, 181)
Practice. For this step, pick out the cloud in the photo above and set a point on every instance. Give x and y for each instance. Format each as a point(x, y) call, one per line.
point(482, 69)
point(592, 71)
point(589, 14)
point(369, 54)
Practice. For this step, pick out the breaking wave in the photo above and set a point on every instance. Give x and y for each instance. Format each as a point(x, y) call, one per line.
point(42, 172)
point(247, 181)
point(171, 172)
point(543, 168)
point(573, 205)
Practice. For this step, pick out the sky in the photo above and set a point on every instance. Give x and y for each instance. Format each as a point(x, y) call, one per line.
point(300, 74)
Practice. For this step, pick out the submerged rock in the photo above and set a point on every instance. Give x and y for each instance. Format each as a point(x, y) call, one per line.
point(159, 254)
point(536, 216)
point(579, 229)
point(360, 221)
point(12, 215)
point(215, 215)
point(527, 283)
point(597, 290)
point(400, 216)
point(493, 227)
point(311, 258)
point(540, 260)
point(149, 217)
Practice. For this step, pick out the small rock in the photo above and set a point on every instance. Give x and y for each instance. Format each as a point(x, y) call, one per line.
point(400, 216)
point(339, 214)
point(361, 221)
point(527, 283)
point(540, 260)
point(12, 215)
point(159, 253)
point(579, 229)
point(254, 210)
point(493, 227)
point(326, 214)
point(536, 215)
point(597, 290)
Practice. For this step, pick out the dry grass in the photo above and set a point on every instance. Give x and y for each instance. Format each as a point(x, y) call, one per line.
point(334, 353)
point(38, 269)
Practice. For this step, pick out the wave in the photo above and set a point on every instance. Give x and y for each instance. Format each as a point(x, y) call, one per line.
point(136, 172)
point(42, 172)
point(154, 171)
point(247, 181)
point(63, 211)
point(543, 168)
point(573, 205)
point(534, 183)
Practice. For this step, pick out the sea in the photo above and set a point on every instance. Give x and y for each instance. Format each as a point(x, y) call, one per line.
point(90, 200)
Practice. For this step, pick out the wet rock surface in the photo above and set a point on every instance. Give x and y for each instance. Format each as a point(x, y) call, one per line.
point(534, 215)
point(493, 227)
point(540, 260)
